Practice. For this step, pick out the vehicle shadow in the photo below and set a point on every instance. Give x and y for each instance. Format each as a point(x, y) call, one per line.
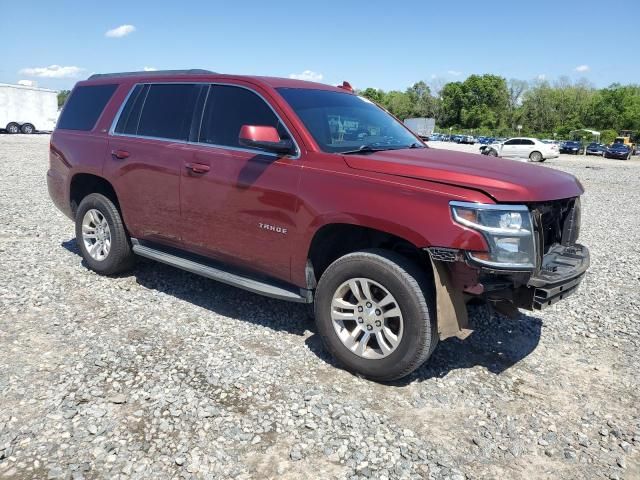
point(216, 297)
point(497, 342)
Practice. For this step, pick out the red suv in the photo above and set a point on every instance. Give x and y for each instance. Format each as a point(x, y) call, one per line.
point(311, 193)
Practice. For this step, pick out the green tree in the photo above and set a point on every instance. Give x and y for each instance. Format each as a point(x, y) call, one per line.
point(421, 100)
point(62, 97)
point(373, 94)
point(398, 103)
point(608, 136)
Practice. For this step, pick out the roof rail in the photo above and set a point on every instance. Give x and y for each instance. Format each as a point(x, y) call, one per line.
point(192, 71)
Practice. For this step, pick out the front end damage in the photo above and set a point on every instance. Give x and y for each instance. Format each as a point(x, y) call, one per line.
point(560, 266)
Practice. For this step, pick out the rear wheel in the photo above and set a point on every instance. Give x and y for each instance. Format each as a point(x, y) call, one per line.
point(101, 235)
point(13, 128)
point(536, 157)
point(375, 313)
point(27, 129)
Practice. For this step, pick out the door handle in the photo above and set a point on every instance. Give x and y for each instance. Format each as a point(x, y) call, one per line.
point(120, 154)
point(197, 167)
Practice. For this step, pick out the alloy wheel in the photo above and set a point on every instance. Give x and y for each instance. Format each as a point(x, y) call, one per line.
point(367, 318)
point(96, 234)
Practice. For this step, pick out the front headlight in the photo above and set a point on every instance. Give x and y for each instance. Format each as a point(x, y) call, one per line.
point(508, 230)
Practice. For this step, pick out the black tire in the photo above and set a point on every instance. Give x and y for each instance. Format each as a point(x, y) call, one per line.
point(492, 153)
point(414, 292)
point(120, 256)
point(536, 157)
point(13, 128)
point(28, 129)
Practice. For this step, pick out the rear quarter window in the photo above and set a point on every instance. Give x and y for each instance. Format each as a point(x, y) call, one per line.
point(84, 107)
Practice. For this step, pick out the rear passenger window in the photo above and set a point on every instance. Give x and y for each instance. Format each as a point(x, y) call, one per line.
point(167, 111)
point(82, 110)
point(130, 116)
point(228, 109)
point(527, 142)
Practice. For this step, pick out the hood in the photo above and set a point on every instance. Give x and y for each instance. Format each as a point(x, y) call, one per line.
point(504, 180)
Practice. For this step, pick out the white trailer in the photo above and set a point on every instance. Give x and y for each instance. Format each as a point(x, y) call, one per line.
point(27, 109)
point(422, 127)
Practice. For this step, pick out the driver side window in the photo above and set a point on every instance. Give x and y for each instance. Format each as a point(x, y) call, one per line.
point(228, 108)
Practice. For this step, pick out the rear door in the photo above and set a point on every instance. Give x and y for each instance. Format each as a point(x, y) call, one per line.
point(239, 204)
point(145, 157)
point(527, 146)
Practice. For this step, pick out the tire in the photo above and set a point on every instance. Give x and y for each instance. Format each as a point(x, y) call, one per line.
point(27, 129)
point(13, 128)
point(536, 157)
point(412, 295)
point(118, 257)
point(492, 153)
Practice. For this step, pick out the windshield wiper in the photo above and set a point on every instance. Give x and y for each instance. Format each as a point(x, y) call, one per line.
point(365, 149)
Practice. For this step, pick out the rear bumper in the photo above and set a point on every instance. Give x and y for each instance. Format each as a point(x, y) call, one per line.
point(562, 271)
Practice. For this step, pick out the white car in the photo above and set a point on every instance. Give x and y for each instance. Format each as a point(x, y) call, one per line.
point(522, 149)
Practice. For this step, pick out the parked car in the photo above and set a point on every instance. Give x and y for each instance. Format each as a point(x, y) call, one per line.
point(596, 149)
point(619, 151)
point(572, 147)
point(486, 140)
point(467, 139)
point(522, 148)
point(253, 182)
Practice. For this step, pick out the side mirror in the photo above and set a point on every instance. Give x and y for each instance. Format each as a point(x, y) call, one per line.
point(265, 138)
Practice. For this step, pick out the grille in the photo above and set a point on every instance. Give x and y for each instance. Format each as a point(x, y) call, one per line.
point(558, 222)
point(444, 254)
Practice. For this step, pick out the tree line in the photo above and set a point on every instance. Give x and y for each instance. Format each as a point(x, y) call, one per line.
point(492, 105)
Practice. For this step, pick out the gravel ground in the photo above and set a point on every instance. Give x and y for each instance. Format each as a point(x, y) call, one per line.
point(162, 374)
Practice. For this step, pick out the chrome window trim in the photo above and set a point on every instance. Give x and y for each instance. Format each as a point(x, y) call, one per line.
point(113, 133)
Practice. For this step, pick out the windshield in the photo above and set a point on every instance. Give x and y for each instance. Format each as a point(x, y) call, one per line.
point(342, 122)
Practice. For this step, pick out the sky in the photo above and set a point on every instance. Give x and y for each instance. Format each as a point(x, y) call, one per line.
point(380, 44)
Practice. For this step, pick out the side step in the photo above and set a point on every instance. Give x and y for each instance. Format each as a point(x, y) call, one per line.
point(291, 294)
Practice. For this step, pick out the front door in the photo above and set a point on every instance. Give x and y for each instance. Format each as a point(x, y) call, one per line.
point(239, 205)
point(511, 148)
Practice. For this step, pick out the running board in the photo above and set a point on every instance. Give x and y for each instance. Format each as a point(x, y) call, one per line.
point(246, 283)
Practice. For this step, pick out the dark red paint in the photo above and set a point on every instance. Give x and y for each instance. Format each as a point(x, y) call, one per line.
point(211, 200)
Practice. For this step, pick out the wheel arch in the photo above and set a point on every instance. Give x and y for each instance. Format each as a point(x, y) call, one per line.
point(334, 239)
point(83, 184)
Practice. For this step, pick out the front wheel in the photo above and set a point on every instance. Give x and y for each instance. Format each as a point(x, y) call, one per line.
point(375, 313)
point(492, 153)
point(101, 235)
point(13, 128)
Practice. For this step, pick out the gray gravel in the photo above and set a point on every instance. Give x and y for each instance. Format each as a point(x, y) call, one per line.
point(162, 374)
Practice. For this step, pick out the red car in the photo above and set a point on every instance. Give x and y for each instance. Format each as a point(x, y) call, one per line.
point(311, 193)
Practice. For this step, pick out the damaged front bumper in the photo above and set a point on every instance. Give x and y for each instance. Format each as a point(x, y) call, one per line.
point(562, 270)
point(558, 275)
